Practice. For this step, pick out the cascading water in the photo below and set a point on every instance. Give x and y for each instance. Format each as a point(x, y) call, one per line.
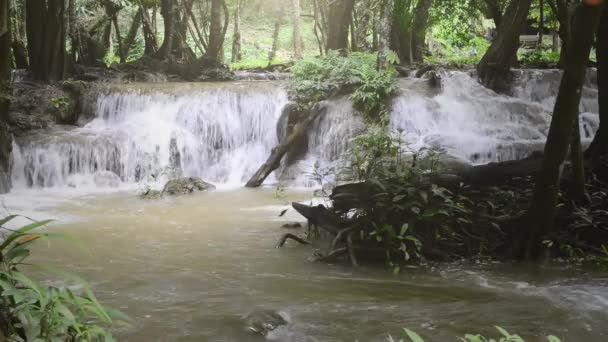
point(225, 131)
point(221, 133)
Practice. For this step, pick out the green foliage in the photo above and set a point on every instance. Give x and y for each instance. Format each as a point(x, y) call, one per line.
point(452, 23)
point(467, 54)
point(405, 208)
point(314, 79)
point(505, 336)
point(539, 57)
point(60, 102)
point(33, 312)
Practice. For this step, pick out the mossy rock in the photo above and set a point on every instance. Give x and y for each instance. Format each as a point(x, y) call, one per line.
point(151, 194)
point(186, 185)
point(264, 321)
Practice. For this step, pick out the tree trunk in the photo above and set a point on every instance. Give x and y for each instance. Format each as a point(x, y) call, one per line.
point(384, 28)
point(495, 67)
point(236, 36)
point(542, 211)
point(46, 39)
point(5, 53)
point(363, 27)
point(541, 23)
point(275, 38)
point(216, 39)
point(400, 32)
point(130, 39)
point(167, 11)
point(18, 41)
point(494, 11)
point(338, 23)
point(598, 150)
point(121, 50)
point(419, 26)
point(150, 43)
point(297, 36)
point(274, 160)
point(318, 27)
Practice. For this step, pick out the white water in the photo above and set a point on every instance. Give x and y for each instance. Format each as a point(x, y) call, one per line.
point(225, 131)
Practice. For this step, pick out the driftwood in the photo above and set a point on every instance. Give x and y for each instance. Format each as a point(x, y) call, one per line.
point(274, 160)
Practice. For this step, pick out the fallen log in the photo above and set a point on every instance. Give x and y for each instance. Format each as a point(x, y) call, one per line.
point(321, 217)
point(274, 160)
point(287, 236)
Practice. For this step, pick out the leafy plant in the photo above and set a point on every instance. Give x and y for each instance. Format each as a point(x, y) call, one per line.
point(315, 79)
point(33, 312)
point(60, 102)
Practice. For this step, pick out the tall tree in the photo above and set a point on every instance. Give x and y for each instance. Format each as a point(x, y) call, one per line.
point(150, 42)
point(542, 211)
point(18, 32)
point(275, 37)
point(46, 35)
point(384, 26)
point(340, 12)
point(494, 69)
point(297, 35)
point(168, 10)
point(5, 48)
point(365, 14)
point(236, 36)
point(217, 32)
point(419, 26)
point(598, 150)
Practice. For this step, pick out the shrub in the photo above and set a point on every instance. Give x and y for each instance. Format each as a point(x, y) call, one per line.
point(315, 79)
point(33, 312)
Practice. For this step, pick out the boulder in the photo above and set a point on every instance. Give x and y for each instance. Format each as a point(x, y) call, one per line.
point(186, 185)
point(264, 321)
point(151, 194)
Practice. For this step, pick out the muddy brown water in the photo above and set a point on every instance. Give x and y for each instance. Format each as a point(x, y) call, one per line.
point(190, 269)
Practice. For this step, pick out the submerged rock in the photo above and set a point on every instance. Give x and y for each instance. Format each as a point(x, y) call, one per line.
point(186, 185)
point(263, 322)
point(151, 194)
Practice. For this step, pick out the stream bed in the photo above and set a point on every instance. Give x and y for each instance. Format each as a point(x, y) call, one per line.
point(190, 269)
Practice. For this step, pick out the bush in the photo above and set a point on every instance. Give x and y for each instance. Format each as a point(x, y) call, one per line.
point(30, 311)
point(315, 79)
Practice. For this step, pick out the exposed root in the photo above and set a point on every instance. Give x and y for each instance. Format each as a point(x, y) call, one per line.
point(351, 250)
point(334, 254)
point(287, 236)
point(338, 237)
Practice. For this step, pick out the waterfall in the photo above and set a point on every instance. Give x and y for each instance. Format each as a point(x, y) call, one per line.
point(222, 133)
point(225, 131)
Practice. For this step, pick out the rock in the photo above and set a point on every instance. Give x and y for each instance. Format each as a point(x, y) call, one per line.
point(151, 194)
point(293, 225)
point(186, 185)
point(106, 179)
point(175, 160)
point(263, 322)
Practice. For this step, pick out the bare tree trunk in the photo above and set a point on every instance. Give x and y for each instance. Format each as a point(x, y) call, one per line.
point(419, 26)
point(213, 54)
point(46, 39)
point(541, 23)
point(121, 50)
point(150, 43)
point(495, 67)
point(318, 27)
point(130, 39)
point(337, 34)
point(297, 36)
point(401, 31)
point(275, 38)
point(495, 11)
point(236, 36)
point(18, 43)
point(167, 10)
point(363, 27)
point(598, 150)
point(542, 211)
point(384, 27)
point(5, 52)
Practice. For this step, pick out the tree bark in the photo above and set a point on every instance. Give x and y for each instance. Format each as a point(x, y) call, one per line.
point(150, 43)
point(130, 39)
point(318, 27)
point(5, 52)
point(384, 28)
point(167, 11)
point(541, 23)
point(338, 23)
point(236, 36)
point(275, 38)
point(363, 27)
point(597, 152)
point(400, 31)
point(274, 160)
point(297, 36)
point(419, 26)
point(542, 211)
point(216, 34)
point(495, 67)
point(18, 41)
point(495, 11)
point(46, 31)
point(121, 50)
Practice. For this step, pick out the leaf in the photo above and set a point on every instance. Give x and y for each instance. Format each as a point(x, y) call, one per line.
point(404, 229)
point(22, 231)
point(413, 336)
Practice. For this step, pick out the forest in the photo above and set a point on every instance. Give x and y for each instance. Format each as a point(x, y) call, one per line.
point(425, 169)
